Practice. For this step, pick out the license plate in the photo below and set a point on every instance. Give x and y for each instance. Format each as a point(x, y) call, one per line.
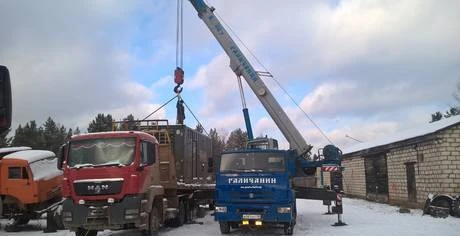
point(251, 217)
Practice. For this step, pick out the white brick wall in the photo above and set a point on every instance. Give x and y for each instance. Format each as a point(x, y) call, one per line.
point(439, 172)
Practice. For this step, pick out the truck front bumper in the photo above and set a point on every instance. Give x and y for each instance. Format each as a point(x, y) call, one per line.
point(100, 215)
point(267, 213)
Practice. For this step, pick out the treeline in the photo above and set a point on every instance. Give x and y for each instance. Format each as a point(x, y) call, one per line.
point(51, 135)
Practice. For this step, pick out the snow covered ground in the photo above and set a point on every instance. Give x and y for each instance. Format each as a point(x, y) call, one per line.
point(362, 217)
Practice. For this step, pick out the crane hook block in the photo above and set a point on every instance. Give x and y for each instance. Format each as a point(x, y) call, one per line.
point(179, 76)
point(178, 89)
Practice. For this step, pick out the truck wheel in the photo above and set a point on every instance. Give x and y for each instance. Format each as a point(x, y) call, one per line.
point(224, 227)
point(57, 217)
point(22, 220)
point(85, 232)
point(180, 219)
point(1, 207)
point(288, 228)
point(154, 223)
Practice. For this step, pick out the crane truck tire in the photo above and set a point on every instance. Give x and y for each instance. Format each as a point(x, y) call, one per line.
point(224, 227)
point(85, 232)
point(288, 228)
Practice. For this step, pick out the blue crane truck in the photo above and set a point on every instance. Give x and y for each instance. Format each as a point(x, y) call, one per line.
point(259, 186)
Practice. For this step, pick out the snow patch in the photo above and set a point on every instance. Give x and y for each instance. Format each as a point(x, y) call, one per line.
point(43, 164)
point(30, 155)
point(13, 149)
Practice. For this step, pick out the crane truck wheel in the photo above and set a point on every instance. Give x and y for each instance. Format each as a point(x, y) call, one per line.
point(288, 228)
point(85, 232)
point(224, 227)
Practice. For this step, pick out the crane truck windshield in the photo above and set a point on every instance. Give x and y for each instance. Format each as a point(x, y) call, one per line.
point(101, 152)
point(252, 162)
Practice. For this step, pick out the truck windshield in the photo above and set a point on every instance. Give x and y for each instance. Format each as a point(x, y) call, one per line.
point(101, 152)
point(252, 162)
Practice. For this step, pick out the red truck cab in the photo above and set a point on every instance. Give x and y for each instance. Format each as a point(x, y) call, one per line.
point(110, 182)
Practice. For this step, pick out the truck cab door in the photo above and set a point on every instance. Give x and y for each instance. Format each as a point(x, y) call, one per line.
point(147, 162)
point(19, 183)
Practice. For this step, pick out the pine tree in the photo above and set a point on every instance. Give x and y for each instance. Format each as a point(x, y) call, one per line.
point(53, 135)
point(69, 134)
point(4, 141)
point(237, 139)
point(217, 143)
point(30, 135)
point(129, 123)
point(453, 111)
point(76, 131)
point(101, 123)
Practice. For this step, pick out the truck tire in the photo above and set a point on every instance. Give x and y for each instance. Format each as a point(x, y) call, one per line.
point(57, 217)
point(288, 228)
point(22, 220)
point(1, 207)
point(85, 232)
point(154, 222)
point(224, 227)
point(181, 217)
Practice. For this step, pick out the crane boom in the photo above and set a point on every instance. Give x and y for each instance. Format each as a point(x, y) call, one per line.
point(241, 66)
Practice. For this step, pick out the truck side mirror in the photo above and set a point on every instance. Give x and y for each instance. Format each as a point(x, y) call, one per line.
point(61, 156)
point(5, 99)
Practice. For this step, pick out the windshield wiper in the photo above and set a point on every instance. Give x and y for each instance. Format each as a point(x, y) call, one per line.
point(247, 170)
point(78, 166)
point(110, 164)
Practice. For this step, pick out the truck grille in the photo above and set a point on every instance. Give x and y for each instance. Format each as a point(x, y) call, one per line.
point(255, 195)
point(98, 187)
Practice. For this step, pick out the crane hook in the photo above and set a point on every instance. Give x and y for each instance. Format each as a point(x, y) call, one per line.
point(178, 89)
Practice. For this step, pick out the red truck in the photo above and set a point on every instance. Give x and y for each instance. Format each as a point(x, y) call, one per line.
point(134, 179)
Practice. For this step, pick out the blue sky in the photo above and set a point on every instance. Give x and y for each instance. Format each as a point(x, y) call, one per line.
point(360, 68)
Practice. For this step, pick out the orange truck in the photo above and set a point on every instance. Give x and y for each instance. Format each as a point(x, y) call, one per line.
point(30, 185)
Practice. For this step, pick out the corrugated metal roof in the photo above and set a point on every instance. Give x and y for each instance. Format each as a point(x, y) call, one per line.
point(404, 135)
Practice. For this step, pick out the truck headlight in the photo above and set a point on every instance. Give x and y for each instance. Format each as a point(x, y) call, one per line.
point(284, 210)
point(221, 209)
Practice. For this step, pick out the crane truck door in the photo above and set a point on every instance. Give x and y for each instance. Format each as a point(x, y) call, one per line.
point(5, 99)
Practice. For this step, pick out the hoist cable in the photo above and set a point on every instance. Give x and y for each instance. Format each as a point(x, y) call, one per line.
point(159, 108)
point(270, 75)
point(179, 34)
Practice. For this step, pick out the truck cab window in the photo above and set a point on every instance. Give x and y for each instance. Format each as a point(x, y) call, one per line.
point(147, 153)
point(14, 173)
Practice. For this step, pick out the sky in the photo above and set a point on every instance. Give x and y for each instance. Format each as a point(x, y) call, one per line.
point(361, 69)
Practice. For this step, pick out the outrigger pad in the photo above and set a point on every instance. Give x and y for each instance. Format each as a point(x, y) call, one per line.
point(340, 223)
